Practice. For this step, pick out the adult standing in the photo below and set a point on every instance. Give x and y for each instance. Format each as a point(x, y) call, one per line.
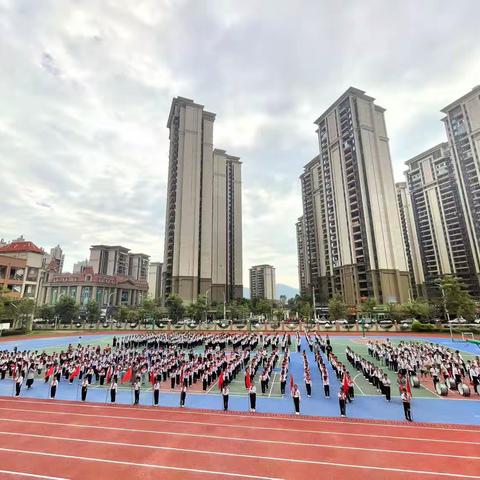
point(296, 399)
point(156, 392)
point(342, 402)
point(183, 395)
point(225, 395)
point(53, 387)
point(84, 389)
point(252, 393)
point(18, 383)
point(113, 391)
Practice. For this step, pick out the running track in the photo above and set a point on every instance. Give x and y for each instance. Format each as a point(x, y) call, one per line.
point(59, 440)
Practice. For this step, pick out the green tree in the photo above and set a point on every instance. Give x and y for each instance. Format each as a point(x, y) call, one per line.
point(264, 307)
point(175, 307)
point(456, 298)
point(305, 310)
point(46, 312)
point(200, 308)
point(122, 314)
point(66, 309)
point(367, 307)
point(396, 312)
point(93, 311)
point(337, 309)
point(24, 309)
point(147, 311)
point(419, 308)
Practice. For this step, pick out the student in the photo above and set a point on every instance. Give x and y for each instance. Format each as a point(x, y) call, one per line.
point(136, 392)
point(326, 384)
point(183, 395)
point(342, 402)
point(387, 387)
point(156, 392)
point(84, 389)
point(113, 390)
point(30, 377)
point(253, 397)
point(283, 382)
point(18, 384)
point(405, 397)
point(225, 394)
point(296, 399)
point(53, 387)
point(308, 384)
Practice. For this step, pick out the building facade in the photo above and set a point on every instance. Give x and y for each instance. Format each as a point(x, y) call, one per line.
point(80, 266)
point(21, 266)
point(54, 259)
point(411, 241)
point(203, 228)
point(302, 255)
point(350, 207)
point(462, 123)
point(262, 282)
point(440, 219)
point(155, 280)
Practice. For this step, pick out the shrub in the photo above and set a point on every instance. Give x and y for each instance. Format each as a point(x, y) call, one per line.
point(11, 332)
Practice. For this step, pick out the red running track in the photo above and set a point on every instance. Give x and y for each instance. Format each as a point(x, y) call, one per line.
point(58, 440)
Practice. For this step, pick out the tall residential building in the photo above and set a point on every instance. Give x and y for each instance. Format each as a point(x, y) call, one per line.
point(155, 280)
point(444, 243)
point(80, 266)
point(462, 123)
point(54, 260)
point(262, 282)
point(203, 229)
point(350, 206)
point(410, 239)
point(302, 254)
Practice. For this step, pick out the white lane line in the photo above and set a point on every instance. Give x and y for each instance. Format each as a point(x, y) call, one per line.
point(135, 464)
point(249, 427)
point(175, 410)
point(302, 444)
point(294, 461)
point(31, 475)
point(357, 385)
point(273, 382)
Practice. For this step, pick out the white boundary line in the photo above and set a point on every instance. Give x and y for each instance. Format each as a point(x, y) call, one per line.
point(209, 452)
point(358, 386)
point(135, 464)
point(31, 475)
point(273, 383)
point(240, 427)
point(169, 410)
point(308, 462)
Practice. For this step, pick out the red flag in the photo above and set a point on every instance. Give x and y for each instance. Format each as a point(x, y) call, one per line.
point(220, 381)
point(248, 383)
point(75, 372)
point(127, 376)
point(50, 372)
point(409, 387)
point(152, 377)
point(345, 384)
point(291, 383)
point(14, 370)
point(109, 374)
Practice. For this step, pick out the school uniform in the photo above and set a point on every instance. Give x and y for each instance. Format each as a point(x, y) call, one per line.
point(296, 400)
point(84, 389)
point(225, 395)
point(18, 385)
point(253, 398)
point(308, 386)
point(30, 377)
point(113, 391)
point(342, 403)
point(156, 392)
point(326, 385)
point(53, 387)
point(136, 392)
point(405, 397)
point(387, 388)
point(183, 396)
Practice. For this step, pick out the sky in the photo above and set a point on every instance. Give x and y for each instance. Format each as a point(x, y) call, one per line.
point(86, 88)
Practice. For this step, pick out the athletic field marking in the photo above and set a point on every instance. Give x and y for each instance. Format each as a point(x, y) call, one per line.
point(134, 464)
point(358, 386)
point(308, 462)
point(168, 411)
point(217, 437)
point(273, 383)
point(244, 426)
point(31, 475)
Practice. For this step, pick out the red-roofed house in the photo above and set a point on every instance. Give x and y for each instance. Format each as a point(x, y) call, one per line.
point(23, 276)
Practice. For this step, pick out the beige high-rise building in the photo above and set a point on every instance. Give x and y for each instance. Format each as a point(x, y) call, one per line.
point(203, 229)
point(302, 254)
point(410, 239)
point(440, 219)
point(155, 280)
point(262, 282)
point(462, 123)
point(357, 247)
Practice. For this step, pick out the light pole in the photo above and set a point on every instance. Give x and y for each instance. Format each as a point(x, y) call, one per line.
point(447, 313)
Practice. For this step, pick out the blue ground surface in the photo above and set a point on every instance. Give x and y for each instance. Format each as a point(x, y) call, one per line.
point(367, 407)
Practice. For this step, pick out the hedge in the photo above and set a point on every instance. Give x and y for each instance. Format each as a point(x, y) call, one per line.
point(17, 331)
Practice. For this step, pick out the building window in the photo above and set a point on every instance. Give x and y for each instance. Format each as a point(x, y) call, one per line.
point(17, 273)
point(32, 274)
point(73, 292)
point(3, 272)
point(85, 295)
point(54, 295)
point(29, 291)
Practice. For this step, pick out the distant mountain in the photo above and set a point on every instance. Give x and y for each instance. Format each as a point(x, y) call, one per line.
point(282, 289)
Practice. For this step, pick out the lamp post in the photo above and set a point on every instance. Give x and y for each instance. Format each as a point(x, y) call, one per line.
point(447, 313)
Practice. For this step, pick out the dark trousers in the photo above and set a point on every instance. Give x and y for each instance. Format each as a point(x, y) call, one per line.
point(308, 386)
point(53, 391)
point(84, 393)
point(253, 401)
point(183, 396)
point(326, 388)
point(137, 397)
point(225, 402)
point(343, 407)
point(156, 395)
point(406, 409)
point(172, 382)
point(29, 382)
point(387, 392)
point(113, 395)
point(18, 387)
point(296, 402)
point(282, 387)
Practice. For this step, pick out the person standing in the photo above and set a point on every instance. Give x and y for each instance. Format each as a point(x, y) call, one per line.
point(252, 392)
point(296, 399)
point(308, 384)
point(156, 392)
point(283, 382)
point(326, 384)
point(30, 377)
point(342, 402)
point(183, 395)
point(136, 392)
point(18, 383)
point(405, 397)
point(225, 395)
point(113, 390)
point(53, 387)
point(387, 387)
point(84, 389)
